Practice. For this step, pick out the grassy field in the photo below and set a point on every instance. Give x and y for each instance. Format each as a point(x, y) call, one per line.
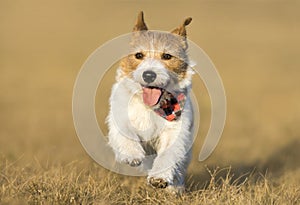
point(254, 44)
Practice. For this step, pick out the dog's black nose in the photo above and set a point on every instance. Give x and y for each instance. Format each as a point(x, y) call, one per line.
point(149, 76)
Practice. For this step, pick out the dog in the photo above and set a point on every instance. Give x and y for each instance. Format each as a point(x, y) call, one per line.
point(150, 105)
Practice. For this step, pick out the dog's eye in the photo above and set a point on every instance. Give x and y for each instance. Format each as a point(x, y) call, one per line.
point(139, 55)
point(166, 56)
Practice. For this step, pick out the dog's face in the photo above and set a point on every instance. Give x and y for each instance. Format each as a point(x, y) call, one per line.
point(158, 60)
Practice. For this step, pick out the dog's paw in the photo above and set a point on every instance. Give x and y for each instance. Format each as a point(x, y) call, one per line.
point(176, 190)
point(131, 159)
point(133, 162)
point(158, 182)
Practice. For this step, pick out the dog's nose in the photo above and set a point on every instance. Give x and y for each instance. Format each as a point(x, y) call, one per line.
point(149, 76)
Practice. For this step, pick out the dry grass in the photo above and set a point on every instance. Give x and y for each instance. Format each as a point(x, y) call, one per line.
point(70, 184)
point(255, 46)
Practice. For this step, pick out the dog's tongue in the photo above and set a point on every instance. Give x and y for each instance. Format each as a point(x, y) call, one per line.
point(151, 96)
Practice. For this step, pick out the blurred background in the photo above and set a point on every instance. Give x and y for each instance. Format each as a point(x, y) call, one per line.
point(255, 46)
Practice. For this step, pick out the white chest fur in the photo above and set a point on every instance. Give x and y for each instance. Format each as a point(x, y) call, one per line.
point(146, 123)
point(131, 114)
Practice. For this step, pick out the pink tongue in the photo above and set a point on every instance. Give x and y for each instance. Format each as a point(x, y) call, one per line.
point(151, 96)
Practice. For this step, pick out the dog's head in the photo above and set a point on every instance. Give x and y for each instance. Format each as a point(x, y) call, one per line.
point(158, 61)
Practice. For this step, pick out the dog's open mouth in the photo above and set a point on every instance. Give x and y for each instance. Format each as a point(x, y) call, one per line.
point(151, 95)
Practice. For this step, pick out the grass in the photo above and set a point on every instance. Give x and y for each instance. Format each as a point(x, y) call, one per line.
point(90, 184)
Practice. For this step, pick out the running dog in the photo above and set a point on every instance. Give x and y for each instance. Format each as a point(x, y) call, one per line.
point(150, 105)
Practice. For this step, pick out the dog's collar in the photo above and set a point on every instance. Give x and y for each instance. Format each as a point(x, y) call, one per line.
point(170, 106)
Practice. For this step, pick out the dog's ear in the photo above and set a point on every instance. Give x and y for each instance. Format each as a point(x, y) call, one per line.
point(181, 29)
point(140, 25)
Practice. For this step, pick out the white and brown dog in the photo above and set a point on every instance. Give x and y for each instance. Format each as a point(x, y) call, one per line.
point(150, 105)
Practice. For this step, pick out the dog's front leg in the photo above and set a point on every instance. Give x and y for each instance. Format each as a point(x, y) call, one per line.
point(173, 156)
point(123, 140)
point(125, 144)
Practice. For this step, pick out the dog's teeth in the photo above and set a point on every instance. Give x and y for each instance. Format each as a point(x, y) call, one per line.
point(134, 162)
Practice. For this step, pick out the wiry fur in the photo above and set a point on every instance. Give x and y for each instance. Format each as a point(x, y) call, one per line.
point(132, 124)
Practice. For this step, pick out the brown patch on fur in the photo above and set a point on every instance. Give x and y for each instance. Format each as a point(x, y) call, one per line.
point(177, 66)
point(128, 64)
